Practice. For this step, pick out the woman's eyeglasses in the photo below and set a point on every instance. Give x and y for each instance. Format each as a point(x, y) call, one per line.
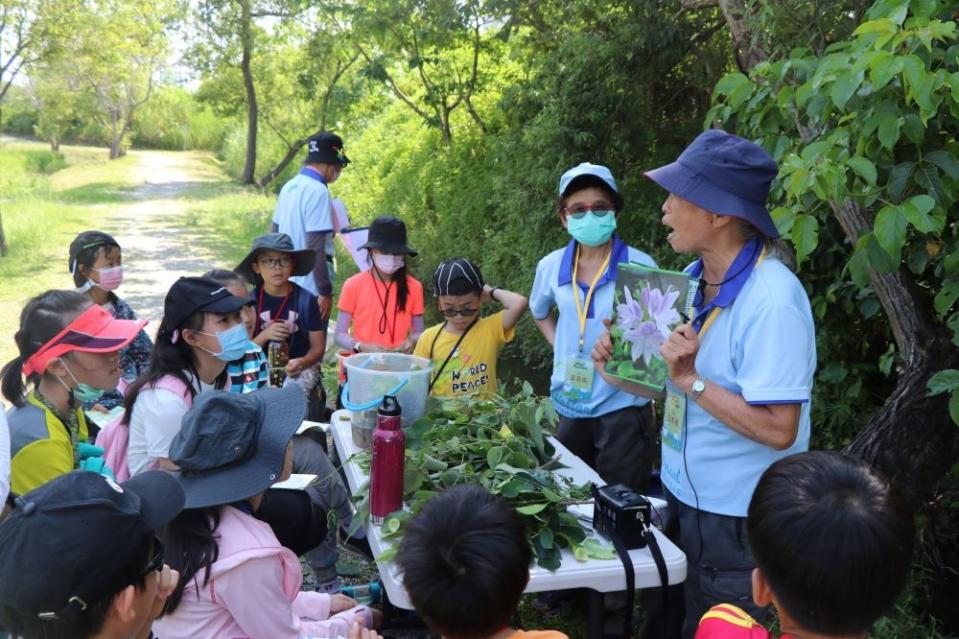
point(275, 262)
point(464, 312)
point(599, 210)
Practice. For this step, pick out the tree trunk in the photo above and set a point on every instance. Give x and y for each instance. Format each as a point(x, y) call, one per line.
point(114, 136)
point(291, 152)
point(249, 167)
point(912, 438)
point(3, 238)
point(749, 51)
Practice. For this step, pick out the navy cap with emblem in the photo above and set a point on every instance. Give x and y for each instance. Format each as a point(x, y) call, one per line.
point(326, 147)
point(66, 543)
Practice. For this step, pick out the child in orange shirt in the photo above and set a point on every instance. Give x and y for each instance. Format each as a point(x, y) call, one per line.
point(384, 305)
point(465, 562)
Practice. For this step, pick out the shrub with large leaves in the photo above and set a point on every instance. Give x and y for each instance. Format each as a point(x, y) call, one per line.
point(872, 124)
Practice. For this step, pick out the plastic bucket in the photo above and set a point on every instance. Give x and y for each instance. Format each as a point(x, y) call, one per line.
point(371, 376)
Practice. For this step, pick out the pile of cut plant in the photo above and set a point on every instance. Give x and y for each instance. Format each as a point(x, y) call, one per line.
point(503, 445)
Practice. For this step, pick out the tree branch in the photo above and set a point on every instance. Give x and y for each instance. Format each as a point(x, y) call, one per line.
point(393, 86)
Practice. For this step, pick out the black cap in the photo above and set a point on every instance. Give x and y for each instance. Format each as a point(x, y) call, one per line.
point(86, 241)
point(388, 234)
point(326, 148)
point(189, 295)
point(66, 543)
point(457, 276)
point(231, 447)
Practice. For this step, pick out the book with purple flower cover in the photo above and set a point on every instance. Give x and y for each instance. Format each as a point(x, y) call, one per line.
point(647, 305)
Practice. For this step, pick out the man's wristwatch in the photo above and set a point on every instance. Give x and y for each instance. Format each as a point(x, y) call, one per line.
point(356, 347)
point(698, 387)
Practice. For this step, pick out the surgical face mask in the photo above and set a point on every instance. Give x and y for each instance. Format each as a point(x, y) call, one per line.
point(388, 264)
point(590, 229)
point(83, 392)
point(110, 279)
point(234, 343)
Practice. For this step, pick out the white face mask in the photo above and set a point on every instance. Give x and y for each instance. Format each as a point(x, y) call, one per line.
point(388, 264)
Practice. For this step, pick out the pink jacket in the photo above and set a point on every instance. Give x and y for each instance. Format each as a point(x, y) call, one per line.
point(253, 592)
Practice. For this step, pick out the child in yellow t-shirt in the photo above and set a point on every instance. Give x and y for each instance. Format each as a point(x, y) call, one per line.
point(464, 348)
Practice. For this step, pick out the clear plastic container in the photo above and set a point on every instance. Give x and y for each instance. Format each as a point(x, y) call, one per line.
point(370, 376)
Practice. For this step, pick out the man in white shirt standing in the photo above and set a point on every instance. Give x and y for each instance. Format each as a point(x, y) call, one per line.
point(304, 212)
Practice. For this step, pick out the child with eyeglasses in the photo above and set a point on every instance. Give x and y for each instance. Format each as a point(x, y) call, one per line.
point(465, 346)
point(288, 325)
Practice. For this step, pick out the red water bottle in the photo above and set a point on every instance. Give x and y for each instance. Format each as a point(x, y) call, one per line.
point(386, 468)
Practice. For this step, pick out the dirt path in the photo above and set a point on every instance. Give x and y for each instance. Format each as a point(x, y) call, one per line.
point(159, 243)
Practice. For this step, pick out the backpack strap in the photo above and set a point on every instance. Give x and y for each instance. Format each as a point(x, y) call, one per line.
point(175, 385)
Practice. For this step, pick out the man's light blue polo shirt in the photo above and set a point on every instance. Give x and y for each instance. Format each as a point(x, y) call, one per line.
point(302, 207)
point(553, 287)
point(762, 345)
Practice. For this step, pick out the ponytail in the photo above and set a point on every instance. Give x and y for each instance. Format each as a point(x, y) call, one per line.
point(41, 319)
point(402, 287)
point(775, 247)
point(13, 387)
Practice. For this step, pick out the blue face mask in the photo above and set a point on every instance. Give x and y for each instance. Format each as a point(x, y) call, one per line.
point(82, 392)
point(590, 229)
point(234, 343)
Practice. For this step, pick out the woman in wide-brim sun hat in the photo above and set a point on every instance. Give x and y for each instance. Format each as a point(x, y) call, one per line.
point(740, 373)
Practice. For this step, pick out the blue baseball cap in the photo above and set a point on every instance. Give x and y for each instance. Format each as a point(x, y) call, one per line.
point(591, 170)
point(724, 174)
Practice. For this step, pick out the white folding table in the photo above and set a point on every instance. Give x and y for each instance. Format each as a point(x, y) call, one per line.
point(598, 575)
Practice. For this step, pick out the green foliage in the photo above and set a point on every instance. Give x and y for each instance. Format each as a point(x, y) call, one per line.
point(617, 87)
point(174, 119)
point(871, 122)
point(500, 444)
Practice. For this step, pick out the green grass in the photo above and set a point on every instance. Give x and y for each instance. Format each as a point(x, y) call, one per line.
point(47, 198)
point(233, 217)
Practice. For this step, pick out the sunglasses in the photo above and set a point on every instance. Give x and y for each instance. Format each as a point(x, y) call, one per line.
point(463, 312)
point(155, 563)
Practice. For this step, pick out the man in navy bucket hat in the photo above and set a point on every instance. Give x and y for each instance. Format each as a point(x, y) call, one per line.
point(723, 174)
point(740, 372)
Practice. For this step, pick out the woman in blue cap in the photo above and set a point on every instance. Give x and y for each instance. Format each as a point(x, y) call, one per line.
point(740, 373)
point(610, 430)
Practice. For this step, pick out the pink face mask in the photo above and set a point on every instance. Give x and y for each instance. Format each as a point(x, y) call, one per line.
point(110, 278)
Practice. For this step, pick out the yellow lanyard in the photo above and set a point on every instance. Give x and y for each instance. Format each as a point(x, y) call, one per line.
point(582, 312)
point(713, 313)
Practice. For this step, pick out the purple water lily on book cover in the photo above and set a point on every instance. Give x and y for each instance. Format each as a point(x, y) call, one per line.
point(648, 321)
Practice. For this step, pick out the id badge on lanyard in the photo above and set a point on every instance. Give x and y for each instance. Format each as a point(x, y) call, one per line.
point(674, 419)
point(578, 379)
point(580, 370)
point(674, 407)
